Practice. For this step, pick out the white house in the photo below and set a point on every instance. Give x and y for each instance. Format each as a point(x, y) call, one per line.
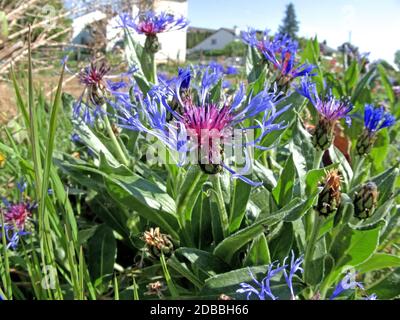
point(79, 25)
point(218, 40)
point(173, 43)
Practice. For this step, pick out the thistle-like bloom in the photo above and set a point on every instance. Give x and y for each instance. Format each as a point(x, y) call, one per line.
point(98, 88)
point(295, 266)
point(348, 282)
point(15, 217)
point(280, 52)
point(375, 119)
point(264, 289)
point(151, 23)
point(330, 110)
point(210, 122)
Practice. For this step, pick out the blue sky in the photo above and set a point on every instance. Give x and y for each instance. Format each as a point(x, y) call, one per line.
point(374, 24)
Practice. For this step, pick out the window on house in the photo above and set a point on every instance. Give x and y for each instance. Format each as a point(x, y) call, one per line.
point(213, 41)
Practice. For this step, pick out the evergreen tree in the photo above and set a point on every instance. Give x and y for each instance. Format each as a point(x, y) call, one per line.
point(290, 25)
point(397, 59)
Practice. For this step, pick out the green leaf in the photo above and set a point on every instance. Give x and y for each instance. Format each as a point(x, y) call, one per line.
point(228, 283)
point(184, 271)
point(380, 150)
point(386, 83)
point(280, 246)
point(351, 248)
point(189, 192)
point(388, 287)
point(379, 261)
point(3, 25)
point(283, 192)
point(351, 77)
point(203, 260)
point(102, 249)
point(92, 141)
point(344, 166)
point(258, 253)
point(265, 175)
point(365, 81)
point(230, 245)
point(386, 184)
point(146, 199)
point(240, 198)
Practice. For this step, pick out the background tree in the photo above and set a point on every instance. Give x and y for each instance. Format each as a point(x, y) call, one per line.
point(290, 25)
point(397, 59)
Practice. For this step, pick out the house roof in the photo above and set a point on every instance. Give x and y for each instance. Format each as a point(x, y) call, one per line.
point(199, 29)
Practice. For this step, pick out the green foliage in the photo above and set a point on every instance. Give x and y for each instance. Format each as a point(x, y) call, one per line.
point(108, 205)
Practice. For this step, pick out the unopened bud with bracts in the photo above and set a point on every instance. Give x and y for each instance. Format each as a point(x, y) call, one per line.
point(323, 135)
point(330, 196)
point(157, 243)
point(375, 119)
point(152, 44)
point(365, 200)
point(365, 143)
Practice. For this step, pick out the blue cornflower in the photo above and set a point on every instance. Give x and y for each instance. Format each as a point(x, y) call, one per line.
point(13, 236)
point(330, 110)
point(98, 88)
point(264, 290)
point(151, 23)
point(280, 51)
point(376, 118)
point(207, 122)
point(348, 282)
point(75, 137)
point(231, 70)
point(14, 217)
point(295, 266)
point(371, 297)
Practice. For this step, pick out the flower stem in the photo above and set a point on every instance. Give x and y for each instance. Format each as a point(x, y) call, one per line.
point(311, 243)
point(223, 215)
point(121, 155)
point(357, 165)
point(309, 219)
point(317, 158)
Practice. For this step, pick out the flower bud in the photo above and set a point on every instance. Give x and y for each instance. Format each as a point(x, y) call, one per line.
point(323, 134)
point(365, 200)
point(365, 143)
point(330, 196)
point(152, 44)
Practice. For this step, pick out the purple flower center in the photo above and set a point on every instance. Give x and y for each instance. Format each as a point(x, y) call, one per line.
point(333, 109)
point(148, 28)
point(17, 214)
point(207, 118)
point(208, 125)
point(93, 75)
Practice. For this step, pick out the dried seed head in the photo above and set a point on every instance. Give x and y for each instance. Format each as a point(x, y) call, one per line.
point(157, 242)
point(330, 196)
point(155, 288)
